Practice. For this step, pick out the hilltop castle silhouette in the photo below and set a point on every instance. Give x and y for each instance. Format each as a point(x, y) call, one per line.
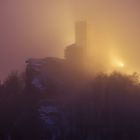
point(58, 70)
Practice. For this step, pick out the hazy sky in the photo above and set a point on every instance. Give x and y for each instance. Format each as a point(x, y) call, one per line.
point(41, 28)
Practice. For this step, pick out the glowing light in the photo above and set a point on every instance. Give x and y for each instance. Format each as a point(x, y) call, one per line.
point(121, 65)
point(118, 64)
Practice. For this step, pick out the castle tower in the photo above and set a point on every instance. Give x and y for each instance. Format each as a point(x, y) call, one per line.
point(77, 51)
point(81, 34)
point(75, 54)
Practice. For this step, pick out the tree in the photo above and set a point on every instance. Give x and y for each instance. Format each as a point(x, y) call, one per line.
point(13, 84)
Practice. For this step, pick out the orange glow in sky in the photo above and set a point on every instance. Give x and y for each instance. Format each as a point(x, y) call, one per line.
point(39, 28)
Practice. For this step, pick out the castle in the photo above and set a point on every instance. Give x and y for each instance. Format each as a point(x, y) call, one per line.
point(59, 70)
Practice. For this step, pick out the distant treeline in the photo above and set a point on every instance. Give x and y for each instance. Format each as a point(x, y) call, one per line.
point(107, 109)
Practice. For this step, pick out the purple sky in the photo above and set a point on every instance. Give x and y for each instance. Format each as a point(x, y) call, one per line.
point(41, 28)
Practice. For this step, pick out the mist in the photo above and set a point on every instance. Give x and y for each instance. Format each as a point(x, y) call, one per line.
point(33, 28)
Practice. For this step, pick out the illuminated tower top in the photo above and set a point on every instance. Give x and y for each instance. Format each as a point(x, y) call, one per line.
point(81, 34)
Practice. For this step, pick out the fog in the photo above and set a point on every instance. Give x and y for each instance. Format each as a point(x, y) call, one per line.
point(41, 28)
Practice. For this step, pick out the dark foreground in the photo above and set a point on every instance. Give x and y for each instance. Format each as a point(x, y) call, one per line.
point(102, 108)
